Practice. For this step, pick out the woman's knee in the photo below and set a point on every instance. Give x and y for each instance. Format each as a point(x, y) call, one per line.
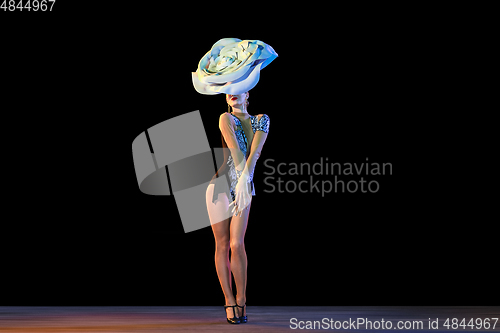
point(237, 245)
point(222, 245)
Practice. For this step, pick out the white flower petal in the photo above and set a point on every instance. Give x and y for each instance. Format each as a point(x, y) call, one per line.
point(204, 61)
point(246, 84)
point(268, 54)
point(228, 77)
point(250, 46)
point(222, 43)
point(232, 66)
point(255, 55)
point(226, 41)
point(201, 87)
point(228, 49)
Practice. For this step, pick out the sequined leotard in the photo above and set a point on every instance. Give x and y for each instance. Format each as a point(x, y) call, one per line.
point(236, 133)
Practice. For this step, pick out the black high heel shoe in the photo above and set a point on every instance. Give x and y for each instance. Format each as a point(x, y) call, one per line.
point(243, 319)
point(234, 320)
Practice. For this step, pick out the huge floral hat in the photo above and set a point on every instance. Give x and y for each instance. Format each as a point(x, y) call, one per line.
point(232, 66)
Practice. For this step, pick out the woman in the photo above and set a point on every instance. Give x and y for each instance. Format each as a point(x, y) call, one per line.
point(243, 137)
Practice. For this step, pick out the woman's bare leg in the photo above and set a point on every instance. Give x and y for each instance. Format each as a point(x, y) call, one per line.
point(220, 220)
point(239, 262)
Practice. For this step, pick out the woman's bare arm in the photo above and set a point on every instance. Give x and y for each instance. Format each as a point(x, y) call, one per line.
point(227, 125)
point(257, 145)
point(243, 196)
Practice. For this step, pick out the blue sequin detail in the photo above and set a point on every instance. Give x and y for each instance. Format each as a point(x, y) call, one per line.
point(257, 125)
point(262, 124)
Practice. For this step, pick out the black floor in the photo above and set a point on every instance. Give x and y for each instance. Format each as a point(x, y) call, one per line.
point(261, 319)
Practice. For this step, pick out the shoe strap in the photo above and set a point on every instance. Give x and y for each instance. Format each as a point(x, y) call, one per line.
point(231, 306)
point(241, 307)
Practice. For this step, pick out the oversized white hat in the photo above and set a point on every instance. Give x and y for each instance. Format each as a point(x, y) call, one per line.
point(232, 66)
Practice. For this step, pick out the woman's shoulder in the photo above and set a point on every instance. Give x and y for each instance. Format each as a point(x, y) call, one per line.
point(226, 120)
point(261, 122)
point(262, 116)
point(226, 117)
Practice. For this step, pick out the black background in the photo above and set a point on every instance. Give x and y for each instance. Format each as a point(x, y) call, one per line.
point(83, 81)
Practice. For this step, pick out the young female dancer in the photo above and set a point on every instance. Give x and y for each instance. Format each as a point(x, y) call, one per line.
point(229, 197)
